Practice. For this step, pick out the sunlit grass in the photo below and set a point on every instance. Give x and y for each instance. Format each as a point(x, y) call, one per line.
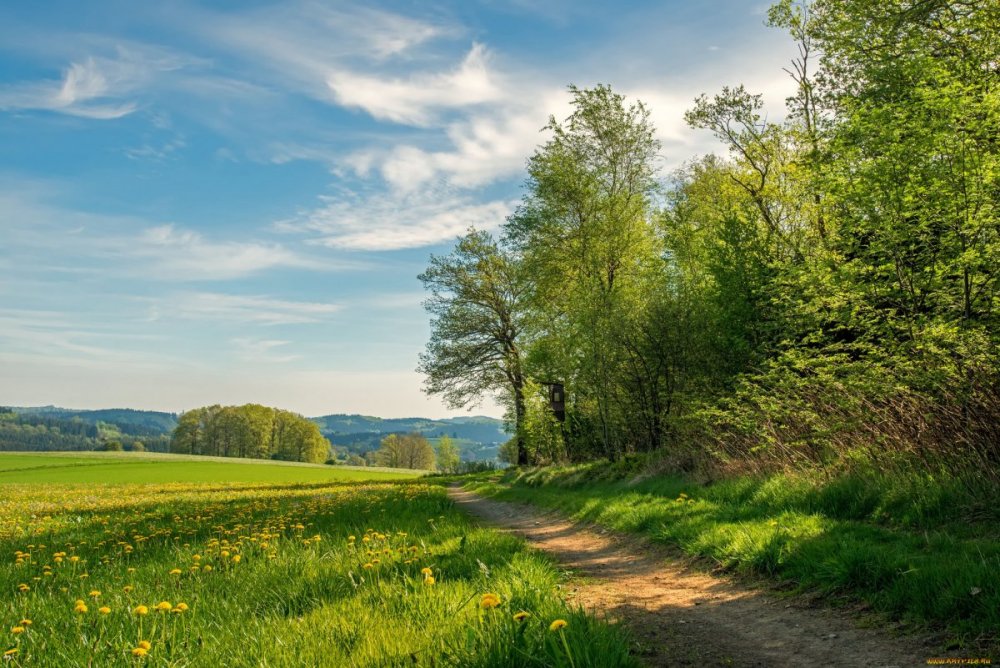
point(894, 544)
point(280, 575)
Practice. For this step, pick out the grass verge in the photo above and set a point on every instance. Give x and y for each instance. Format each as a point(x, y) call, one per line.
point(905, 547)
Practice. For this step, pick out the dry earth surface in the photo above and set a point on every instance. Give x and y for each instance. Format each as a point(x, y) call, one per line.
point(681, 616)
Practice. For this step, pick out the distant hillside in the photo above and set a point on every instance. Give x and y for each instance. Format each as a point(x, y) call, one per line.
point(477, 437)
point(128, 420)
point(55, 428)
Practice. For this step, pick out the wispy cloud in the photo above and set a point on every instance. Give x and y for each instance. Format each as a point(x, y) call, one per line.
point(259, 309)
point(95, 86)
point(396, 221)
point(41, 234)
point(260, 350)
point(414, 100)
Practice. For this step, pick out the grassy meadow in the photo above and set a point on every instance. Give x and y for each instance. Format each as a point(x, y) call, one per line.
point(250, 571)
point(917, 549)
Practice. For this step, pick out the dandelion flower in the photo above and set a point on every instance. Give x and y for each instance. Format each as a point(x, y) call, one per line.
point(141, 610)
point(145, 644)
point(94, 594)
point(236, 558)
point(25, 622)
point(207, 568)
point(23, 588)
point(489, 601)
point(104, 610)
point(558, 625)
point(521, 616)
point(164, 606)
point(10, 652)
point(368, 566)
point(17, 630)
point(80, 608)
point(175, 571)
point(127, 589)
point(139, 651)
point(183, 607)
point(429, 580)
point(426, 571)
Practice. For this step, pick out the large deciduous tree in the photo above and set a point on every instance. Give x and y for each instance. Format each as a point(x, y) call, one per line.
point(477, 324)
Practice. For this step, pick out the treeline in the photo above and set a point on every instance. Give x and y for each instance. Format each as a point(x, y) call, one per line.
point(37, 433)
point(251, 430)
point(826, 290)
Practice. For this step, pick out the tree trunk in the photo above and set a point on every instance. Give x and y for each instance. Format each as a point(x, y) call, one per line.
point(519, 410)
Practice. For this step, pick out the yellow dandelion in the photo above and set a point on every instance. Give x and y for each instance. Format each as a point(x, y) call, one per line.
point(139, 651)
point(141, 610)
point(23, 588)
point(25, 622)
point(207, 568)
point(426, 571)
point(145, 644)
point(558, 625)
point(521, 616)
point(104, 610)
point(236, 558)
point(429, 580)
point(183, 607)
point(17, 630)
point(175, 571)
point(80, 608)
point(127, 589)
point(94, 593)
point(10, 652)
point(164, 606)
point(489, 601)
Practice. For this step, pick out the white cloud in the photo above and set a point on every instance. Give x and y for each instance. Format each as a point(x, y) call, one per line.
point(257, 309)
point(394, 221)
point(414, 100)
point(95, 86)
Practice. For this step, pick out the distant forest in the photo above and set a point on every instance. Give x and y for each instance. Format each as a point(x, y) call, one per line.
point(58, 429)
point(46, 428)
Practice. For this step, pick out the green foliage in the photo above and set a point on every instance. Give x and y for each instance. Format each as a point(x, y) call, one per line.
point(823, 293)
point(447, 455)
point(252, 431)
point(405, 451)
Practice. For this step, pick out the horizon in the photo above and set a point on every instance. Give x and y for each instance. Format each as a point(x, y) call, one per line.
point(207, 203)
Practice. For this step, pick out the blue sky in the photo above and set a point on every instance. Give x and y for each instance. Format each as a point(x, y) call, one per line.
point(224, 202)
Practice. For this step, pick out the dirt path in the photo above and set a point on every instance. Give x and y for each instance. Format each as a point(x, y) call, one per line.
point(685, 618)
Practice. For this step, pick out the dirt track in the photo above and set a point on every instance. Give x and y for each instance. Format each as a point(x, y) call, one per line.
point(681, 617)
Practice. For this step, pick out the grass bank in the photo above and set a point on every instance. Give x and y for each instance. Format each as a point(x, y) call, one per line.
point(918, 549)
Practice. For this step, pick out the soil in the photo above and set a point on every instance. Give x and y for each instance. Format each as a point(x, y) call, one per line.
point(679, 615)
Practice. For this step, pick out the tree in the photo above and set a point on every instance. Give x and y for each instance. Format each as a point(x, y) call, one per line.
point(585, 234)
point(447, 455)
point(477, 322)
point(405, 451)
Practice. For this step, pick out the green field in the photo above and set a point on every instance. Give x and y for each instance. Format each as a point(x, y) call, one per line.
point(127, 467)
point(254, 570)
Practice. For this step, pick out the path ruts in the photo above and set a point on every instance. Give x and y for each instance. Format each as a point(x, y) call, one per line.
point(681, 617)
